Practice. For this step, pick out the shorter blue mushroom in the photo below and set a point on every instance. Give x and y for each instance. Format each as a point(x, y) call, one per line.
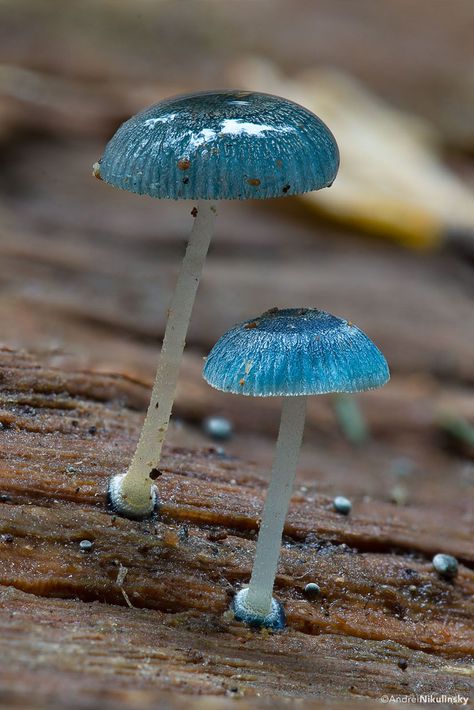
point(288, 353)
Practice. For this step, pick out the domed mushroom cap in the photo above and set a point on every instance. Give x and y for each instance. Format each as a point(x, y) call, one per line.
point(297, 351)
point(221, 145)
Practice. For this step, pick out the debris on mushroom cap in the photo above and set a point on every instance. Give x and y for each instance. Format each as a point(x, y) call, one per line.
point(221, 145)
point(446, 565)
point(96, 171)
point(218, 427)
point(295, 351)
point(342, 505)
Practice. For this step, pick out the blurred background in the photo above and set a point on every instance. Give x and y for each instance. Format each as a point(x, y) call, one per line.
point(86, 271)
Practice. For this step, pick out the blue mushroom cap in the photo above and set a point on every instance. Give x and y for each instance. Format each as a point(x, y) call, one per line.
point(296, 351)
point(221, 145)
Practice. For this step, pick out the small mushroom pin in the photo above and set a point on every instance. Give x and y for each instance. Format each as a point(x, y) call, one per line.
point(220, 145)
point(288, 353)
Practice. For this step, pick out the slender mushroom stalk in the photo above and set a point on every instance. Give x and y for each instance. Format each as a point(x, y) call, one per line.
point(288, 353)
point(259, 595)
point(214, 145)
point(133, 492)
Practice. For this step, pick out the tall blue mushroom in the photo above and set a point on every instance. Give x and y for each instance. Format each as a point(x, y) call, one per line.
point(288, 353)
point(220, 145)
point(207, 146)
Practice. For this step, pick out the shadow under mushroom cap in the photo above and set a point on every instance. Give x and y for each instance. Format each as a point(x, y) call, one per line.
point(297, 351)
point(221, 145)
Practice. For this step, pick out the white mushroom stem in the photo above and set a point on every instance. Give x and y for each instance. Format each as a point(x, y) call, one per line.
point(132, 493)
point(259, 596)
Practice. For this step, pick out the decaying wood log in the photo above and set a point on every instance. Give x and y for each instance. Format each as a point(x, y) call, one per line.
point(145, 610)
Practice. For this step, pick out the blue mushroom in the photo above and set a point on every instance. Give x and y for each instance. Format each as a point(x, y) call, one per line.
point(290, 353)
point(221, 145)
point(206, 146)
point(294, 352)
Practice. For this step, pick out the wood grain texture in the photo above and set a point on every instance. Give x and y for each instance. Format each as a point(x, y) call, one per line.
point(145, 611)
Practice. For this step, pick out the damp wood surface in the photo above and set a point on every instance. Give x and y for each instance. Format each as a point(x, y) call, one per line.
point(145, 611)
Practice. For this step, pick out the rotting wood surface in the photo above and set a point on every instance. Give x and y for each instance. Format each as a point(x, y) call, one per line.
point(144, 612)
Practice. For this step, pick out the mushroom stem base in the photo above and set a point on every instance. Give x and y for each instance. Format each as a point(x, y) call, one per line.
point(275, 619)
point(133, 494)
point(130, 507)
